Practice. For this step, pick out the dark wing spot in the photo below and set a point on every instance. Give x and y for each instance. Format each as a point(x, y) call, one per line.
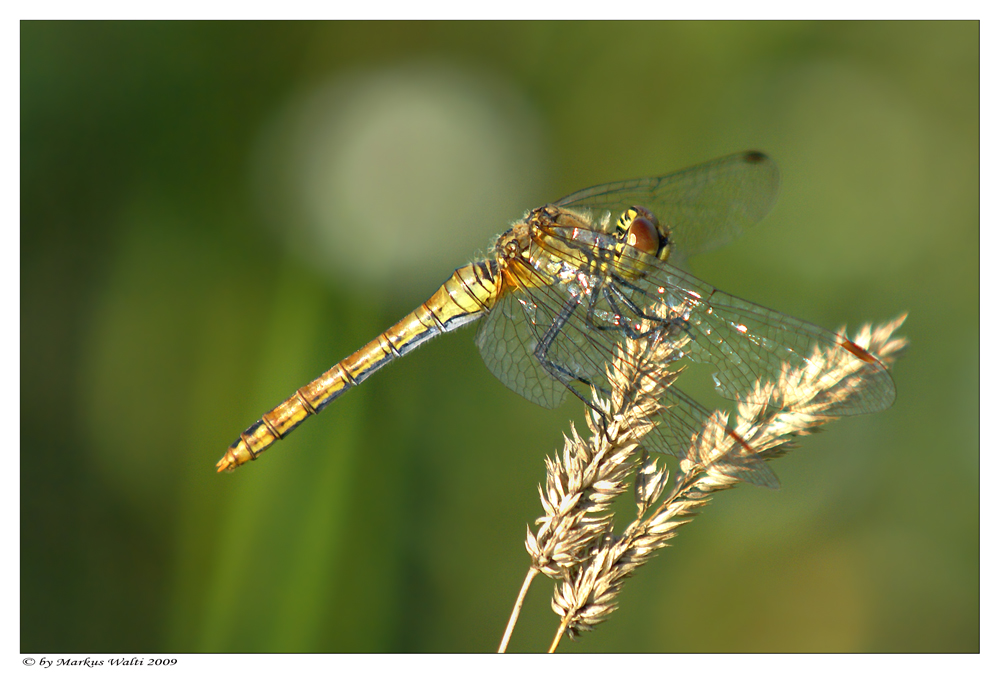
point(754, 157)
point(857, 351)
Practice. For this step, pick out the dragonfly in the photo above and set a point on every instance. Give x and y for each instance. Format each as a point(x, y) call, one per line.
point(571, 281)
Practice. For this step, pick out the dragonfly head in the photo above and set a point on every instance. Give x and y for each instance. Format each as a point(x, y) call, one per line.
point(638, 228)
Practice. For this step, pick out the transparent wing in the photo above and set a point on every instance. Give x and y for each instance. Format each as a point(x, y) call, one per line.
point(748, 342)
point(511, 332)
point(507, 338)
point(705, 206)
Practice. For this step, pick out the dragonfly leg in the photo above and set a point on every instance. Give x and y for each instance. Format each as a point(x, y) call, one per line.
point(556, 371)
point(661, 328)
point(671, 325)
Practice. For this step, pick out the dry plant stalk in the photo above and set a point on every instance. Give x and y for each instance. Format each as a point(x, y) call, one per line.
point(575, 543)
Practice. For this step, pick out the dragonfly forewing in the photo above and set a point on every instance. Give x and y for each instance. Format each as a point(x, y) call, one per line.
point(749, 343)
point(705, 206)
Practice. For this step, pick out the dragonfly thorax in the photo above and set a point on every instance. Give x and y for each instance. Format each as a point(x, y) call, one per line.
point(558, 245)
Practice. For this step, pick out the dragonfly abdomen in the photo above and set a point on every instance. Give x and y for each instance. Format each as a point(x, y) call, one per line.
point(463, 298)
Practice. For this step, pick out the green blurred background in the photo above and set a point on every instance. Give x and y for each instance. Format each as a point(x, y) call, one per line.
point(214, 213)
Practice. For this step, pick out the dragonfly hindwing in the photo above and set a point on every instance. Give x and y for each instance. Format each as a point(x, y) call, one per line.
point(507, 334)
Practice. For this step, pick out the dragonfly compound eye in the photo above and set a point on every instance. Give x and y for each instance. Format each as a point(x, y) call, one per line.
point(643, 235)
